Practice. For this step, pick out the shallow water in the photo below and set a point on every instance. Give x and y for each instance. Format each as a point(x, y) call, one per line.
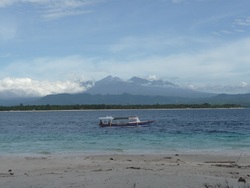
point(71, 132)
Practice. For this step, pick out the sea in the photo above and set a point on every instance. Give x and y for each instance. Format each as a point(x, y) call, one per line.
point(209, 131)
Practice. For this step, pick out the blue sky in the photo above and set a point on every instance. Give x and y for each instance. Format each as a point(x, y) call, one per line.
point(200, 44)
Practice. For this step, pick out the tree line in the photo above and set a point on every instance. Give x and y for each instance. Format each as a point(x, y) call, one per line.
point(22, 107)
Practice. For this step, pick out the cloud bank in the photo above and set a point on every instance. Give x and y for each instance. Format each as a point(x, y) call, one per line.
point(26, 87)
point(222, 69)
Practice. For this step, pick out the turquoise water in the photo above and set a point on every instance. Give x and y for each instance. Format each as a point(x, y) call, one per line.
point(72, 132)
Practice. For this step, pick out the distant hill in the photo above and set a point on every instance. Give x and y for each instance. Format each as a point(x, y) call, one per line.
point(17, 101)
point(241, 99)
point(86, 98)
point(127, 99)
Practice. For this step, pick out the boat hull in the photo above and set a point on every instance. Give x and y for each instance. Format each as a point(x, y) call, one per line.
point(130, 124)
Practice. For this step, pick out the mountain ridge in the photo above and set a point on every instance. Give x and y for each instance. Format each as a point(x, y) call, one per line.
point(138, 86)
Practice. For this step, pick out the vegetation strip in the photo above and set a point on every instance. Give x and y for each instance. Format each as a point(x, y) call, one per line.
point(22, 107)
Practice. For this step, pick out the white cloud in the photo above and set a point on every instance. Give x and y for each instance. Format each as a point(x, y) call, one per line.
point(54, 9)
point(26, 87)
point(219, 88)
point(6, 3)
point(243, 21)
point(60, 68)
point(55, 14)
point(165, 44)
point(244, 84)
point(153, 78)
point(62, 8)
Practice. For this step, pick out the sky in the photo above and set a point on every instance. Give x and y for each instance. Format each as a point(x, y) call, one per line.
point(50, 46)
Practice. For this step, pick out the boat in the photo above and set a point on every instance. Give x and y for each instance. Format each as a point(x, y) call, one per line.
point(122, 121)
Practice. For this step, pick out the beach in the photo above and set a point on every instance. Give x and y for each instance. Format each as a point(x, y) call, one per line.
point(118, 170)
point(182, 149)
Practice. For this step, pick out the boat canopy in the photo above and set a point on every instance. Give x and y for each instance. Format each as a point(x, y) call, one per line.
point(119, 118)
point(106, 118)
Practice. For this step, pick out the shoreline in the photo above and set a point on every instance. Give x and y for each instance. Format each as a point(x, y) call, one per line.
point(93, 107)
point(123, 170)
point(187, 152)
point(126, 109)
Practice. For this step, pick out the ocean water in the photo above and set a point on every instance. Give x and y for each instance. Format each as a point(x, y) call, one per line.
point(218, 131)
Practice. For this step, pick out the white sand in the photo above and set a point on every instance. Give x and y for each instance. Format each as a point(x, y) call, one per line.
point(128, 171)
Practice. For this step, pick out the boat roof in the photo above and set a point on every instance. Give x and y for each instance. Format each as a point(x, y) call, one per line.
point(117, 118)
point(106, 118)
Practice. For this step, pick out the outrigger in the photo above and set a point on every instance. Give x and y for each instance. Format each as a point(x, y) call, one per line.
point(122, 121)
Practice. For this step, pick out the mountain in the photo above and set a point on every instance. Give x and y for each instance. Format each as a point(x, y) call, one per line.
point(138, 81)
point(138, 86)
point(109, 80)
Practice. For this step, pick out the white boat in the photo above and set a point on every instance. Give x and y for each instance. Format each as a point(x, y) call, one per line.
point(122, 121)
